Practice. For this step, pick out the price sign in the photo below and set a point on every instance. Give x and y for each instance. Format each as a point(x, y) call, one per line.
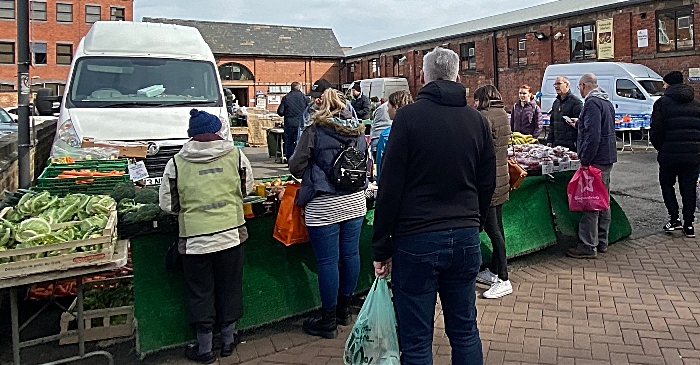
point(138, 171)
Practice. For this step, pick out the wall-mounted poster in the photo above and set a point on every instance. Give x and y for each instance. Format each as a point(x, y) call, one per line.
point(642, 38)
point(606, 40)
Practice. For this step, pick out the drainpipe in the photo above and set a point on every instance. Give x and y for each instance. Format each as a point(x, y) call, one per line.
point(23, 62)
point(495, 60)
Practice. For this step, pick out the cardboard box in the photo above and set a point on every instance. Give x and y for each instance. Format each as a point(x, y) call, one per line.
point(547, 167)
point(575, 164)
point(126, 149)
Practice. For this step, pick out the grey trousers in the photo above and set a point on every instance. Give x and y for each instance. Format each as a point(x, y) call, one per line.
point(593, 227)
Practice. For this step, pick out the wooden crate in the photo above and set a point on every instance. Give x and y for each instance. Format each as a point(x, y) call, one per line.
point(258, 124)
point(23, 264)
point(103, 332)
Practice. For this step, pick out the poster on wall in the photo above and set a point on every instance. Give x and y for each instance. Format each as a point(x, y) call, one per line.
point(273, 99)
point(606, 41)
point(642, 38)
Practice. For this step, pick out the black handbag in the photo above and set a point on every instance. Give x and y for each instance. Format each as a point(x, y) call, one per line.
point(173, 258)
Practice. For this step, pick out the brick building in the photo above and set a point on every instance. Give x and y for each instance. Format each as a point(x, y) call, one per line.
point(514, 48)
point(55, 30)
point(263, 60)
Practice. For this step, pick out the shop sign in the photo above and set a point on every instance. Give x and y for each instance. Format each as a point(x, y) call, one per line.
point(274, 99)
point(606, 41)
point(694, 74)
point(642, 38)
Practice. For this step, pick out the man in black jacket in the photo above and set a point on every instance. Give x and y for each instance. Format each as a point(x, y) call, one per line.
point(675, 133)
point(292, 109)
point(563, 131)
point(361, 102)
point(436, 188)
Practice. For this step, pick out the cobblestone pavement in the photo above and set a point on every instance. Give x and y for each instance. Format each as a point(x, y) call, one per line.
point(636, 304)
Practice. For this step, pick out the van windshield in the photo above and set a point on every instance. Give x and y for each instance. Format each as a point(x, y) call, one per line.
point(653, 87)
point(123, 82)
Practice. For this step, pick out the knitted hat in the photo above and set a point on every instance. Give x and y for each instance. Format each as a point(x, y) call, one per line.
point(674, 77)
point(356, 86)
point(202, 122)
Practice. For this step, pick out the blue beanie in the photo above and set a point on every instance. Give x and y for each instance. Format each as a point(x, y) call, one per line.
point(202, 122)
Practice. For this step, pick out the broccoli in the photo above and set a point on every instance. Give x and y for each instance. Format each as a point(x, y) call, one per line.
point(146, 196)
point(123, 190)
point(130, 218)
point(127, 205)
point(147, 212)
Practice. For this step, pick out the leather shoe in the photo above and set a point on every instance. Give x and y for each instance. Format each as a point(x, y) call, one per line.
point(192, 353)
point(602, 248)
point(227, 349)
point(581, 251)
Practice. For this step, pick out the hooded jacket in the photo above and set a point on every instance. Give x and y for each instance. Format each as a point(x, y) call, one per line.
point(204, 148)
point(526, 119)
point(380, 122)
point(439, 168)
point(562, 134)
point(675, 126)
point(500, 131)
point(596, 130)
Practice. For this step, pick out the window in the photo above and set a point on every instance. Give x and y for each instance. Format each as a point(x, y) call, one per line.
point(55, 87)
point(7, 52)
point(39, 52)
point(235, 71)
point(374, 68)
point(627, 89)
point(64, 54)
point(517, 51)
point(92, 13)
point(467, 53)
point(116, 14)
point(7, 87)
point(7, 9)
point(583, 45)
point(64, 13)
point(396, 66)
point(675, 29)
point(38, 10)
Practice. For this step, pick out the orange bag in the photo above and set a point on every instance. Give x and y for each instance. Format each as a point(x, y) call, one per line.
point(289, 226)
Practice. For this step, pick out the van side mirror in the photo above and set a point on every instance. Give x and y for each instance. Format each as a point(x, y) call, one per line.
point(46, 103)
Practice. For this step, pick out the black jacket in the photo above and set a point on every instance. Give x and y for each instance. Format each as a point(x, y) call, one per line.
point(361, 105)
point(292, 108)
point(438, 169)
point(675, 126)
point(561, 133)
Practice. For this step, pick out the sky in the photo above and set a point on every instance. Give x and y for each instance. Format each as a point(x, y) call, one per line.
point(355, 22)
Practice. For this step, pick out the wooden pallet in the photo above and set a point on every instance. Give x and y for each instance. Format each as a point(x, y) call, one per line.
point(105, 330)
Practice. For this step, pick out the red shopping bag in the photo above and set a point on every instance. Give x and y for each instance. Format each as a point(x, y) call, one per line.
point(587, 192)
point(289, 226)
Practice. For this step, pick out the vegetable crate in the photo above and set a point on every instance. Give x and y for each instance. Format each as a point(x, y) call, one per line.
point(100, 324)
point(48, 181)
point(58, 256)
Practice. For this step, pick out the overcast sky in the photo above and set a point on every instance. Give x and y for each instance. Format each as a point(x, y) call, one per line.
point(355, 22)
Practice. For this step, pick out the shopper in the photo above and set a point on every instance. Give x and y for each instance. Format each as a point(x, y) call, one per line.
point(204, 184)
point(489, 102)
point(384, 116)
point(526, 117)
point(333, 213)
point(563, 116)
point(596, 147)
point(292, 109)
point(361, 102)
point(675, 133)
point(434, 193)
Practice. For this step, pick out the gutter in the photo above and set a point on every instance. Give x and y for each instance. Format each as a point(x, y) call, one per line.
point(505, 26)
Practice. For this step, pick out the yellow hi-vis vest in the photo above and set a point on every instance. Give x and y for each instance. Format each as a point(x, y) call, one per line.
point(210, 195)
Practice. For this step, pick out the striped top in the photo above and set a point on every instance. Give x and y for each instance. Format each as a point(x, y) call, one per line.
point(329, 209)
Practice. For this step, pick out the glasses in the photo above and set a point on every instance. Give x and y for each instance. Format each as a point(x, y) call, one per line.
point(559, 83)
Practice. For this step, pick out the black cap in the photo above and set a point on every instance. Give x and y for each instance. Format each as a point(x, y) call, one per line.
point(356, 86)
point(319, 87)
point(674, 78)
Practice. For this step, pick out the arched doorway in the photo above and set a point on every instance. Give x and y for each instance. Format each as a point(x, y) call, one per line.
point(238, 79)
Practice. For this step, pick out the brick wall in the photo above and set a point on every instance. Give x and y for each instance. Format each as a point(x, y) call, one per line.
point(39, 155)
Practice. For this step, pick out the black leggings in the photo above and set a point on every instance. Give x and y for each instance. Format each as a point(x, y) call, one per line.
point(494, 229)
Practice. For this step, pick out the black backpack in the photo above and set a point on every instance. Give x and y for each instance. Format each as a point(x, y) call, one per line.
point(350, 169)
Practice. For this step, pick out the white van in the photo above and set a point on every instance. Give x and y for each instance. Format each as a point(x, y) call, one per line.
point(381, 87)
point(137, 82)
point(633, 88)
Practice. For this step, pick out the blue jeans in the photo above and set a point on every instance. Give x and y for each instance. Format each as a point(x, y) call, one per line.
point(424, 265)
point(337, 244)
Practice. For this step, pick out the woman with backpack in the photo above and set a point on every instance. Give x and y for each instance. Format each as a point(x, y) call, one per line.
point(526, 117)
point(330, 158)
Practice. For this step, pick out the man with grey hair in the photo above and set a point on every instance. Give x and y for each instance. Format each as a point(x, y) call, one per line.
point(565, 111)
point(438, 176)
point(597, 148)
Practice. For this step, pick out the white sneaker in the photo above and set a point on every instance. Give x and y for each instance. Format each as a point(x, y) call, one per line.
point(499, 289)
point(487, 277)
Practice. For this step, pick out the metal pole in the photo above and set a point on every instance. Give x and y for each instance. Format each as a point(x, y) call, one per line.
point(23, 62)
point(15, 325)
point(80, 319)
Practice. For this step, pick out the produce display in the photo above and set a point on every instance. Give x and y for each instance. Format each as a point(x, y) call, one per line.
point(37, 217)
point(535, 157)
point(519, 138)
point(136, 206)
point(87, 176)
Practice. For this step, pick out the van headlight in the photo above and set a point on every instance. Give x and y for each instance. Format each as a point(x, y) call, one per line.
point(66, 133)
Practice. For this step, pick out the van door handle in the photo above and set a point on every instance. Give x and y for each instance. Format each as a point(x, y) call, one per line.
point(616, 106)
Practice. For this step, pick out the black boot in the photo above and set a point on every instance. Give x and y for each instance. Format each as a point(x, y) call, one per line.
point(342, 311)
point(582, 251)
point(325, 326)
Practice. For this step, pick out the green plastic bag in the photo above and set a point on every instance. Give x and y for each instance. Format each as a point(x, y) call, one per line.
point(373, 340)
